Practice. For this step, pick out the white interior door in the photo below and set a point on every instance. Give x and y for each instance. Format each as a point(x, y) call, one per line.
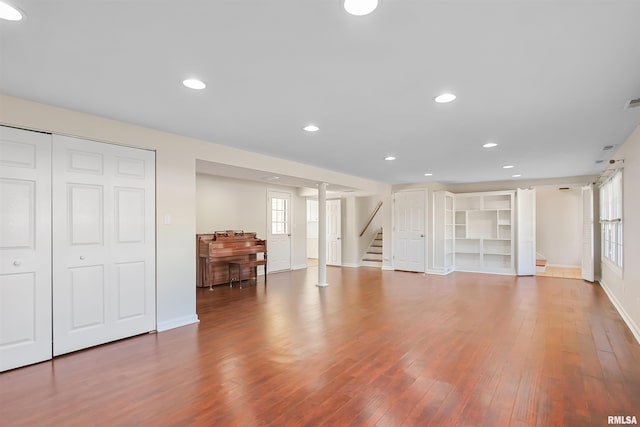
point(409, 230)
point(25, 247)
point(104, 240)
point(587, 234)
point(334, 226)
point(279, 231)
point(526, 226)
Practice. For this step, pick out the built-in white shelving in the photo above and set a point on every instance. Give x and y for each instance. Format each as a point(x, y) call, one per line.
point(484, 232)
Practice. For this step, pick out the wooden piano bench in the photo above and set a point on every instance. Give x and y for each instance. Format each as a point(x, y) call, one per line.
point(239, 265)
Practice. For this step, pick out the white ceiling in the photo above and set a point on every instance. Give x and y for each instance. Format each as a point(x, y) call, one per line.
point(547, 80)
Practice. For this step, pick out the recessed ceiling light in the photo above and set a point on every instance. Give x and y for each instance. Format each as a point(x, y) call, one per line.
point(9, 13)
point(444, 98)
point(428, 174)
point(194, 84)
point(311, 128)
point(360, 7)
point(490, 145)
point(516, 176)
point(508, 167)
point(389, 158)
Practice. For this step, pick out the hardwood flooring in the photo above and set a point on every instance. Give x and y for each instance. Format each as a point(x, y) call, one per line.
point(564, 272)
point(374, 348)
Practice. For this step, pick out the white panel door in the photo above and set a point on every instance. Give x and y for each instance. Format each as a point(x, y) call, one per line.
point(526, 237)
point(104, 243)
point(25, 247)
point(409, 230)
point(334, 226)
point(588, 273)
point(279, 231)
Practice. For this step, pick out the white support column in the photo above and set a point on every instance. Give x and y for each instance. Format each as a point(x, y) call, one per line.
point(322, 235)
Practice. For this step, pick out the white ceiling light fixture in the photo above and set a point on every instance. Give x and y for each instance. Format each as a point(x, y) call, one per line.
point(360, 7)
point(311, 128)
point(508, 167)
point(389, 158)
point(516, 176)
point(490, 145)
point(10, 13)
point(194, 84)
point(444, 98)
point(428, 174)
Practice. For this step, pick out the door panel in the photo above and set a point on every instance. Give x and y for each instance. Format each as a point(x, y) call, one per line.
point(334, 225)
point(279, 231)
point(409, 231)
point(88, 303)
point(588, 249)
point(25, 247)
point(104, 275)
point(526, 231)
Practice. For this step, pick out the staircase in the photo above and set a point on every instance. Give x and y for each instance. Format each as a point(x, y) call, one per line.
point(541, 263)
point(373, 256)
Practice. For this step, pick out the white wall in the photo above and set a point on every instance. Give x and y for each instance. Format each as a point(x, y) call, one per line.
point(176, 188)
point(230, 204)
point(559, 225)
point(624, 291)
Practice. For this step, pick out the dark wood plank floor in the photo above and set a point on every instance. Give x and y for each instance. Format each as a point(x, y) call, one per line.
point(374, 348)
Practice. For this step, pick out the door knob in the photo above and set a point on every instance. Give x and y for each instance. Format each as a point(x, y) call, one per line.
point(422, 235)
point(82, 256)
point(17, 263)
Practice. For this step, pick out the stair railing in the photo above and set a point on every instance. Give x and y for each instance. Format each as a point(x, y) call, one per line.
point(373, 215)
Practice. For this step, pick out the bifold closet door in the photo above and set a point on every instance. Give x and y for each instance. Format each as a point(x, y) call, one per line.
point(25, 247)
point(104, 243)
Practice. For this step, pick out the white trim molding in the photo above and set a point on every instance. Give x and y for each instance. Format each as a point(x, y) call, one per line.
point(176, 323)
point(635, 330)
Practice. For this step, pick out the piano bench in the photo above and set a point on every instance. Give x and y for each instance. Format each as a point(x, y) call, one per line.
point(252, 264)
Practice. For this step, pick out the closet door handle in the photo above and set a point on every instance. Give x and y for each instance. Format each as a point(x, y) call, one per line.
point(82, 257)
point(17, 263)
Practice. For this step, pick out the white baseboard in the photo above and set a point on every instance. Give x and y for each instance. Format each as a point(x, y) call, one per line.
point(299, 267)
point(635, 330)
point(387, 268)
point(176, 323)
point(439, 272)
point(350, 265)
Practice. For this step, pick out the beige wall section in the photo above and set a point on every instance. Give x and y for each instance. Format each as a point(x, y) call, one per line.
point(176, 188)
point(624, 291)
point(559, 225)
point(230, 204)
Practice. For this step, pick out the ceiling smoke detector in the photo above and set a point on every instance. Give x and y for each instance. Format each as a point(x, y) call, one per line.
point(632, 103)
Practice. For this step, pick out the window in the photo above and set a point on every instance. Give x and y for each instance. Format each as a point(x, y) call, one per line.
point(279, 213)
point(611, 220)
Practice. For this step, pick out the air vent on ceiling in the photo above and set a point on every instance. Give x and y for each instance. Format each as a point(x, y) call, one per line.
point(599, 161)
point(633, 103)
point(607, 147)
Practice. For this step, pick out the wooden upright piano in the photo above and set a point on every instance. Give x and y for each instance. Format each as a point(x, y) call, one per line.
point(218, 250)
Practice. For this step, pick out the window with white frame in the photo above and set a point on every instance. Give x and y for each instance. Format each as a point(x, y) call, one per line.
point(611, 219)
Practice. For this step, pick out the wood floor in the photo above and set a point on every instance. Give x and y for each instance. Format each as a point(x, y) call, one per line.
point(374, 348)
point(565, 272)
